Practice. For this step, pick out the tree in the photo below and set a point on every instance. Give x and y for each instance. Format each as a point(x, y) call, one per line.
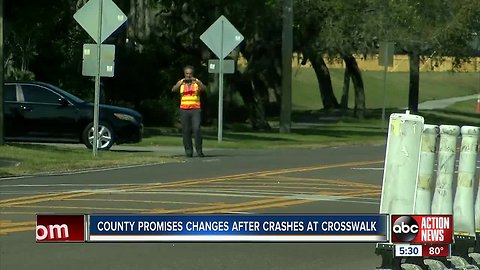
point(161, 36)
point(347, 33)
point(425, 29)
point(310, 20)
point(259, 24)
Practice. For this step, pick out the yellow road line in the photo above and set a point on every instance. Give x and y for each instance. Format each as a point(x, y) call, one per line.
point(17, 229)
point(32, 197)
point(249, 205)
point(56, 197)
point(321, 167)
point(255, 174)
point(15, 224)
point(278, 187)
point(17, 213)
point(136, 201)
point(321, 180)
point(64, 195)
point(288, 182)
point(193, 209)
point(78, 208)
point(278, 202)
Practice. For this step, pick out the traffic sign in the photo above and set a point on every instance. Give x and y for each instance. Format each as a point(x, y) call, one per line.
point(100, 18)
point(112, 18)
point(90, 60)
point(214, 66)
point(221, 37)
point(385, 55)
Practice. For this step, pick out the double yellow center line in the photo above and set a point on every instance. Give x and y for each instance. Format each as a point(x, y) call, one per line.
point(279, 201)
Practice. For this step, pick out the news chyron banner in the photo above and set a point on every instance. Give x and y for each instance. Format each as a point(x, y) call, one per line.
point(214, 228)
point(422, 235)
point(422, 229)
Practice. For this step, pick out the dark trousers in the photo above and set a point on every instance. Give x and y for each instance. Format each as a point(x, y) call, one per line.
point(191, 120)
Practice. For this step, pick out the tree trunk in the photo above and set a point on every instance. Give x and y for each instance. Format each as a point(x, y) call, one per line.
point(323, 77)
point(258, 119)
point(247, 87)
point(413, 90)
point(346, 89)
point(354, 70)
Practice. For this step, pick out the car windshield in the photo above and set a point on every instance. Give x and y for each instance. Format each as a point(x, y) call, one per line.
point(67, 94)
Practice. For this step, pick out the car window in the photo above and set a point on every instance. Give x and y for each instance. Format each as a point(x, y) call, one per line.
point(38, 94)
point(10, 93)
point(67, 94)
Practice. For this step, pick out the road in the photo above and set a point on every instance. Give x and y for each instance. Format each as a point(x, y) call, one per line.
point(324, 180)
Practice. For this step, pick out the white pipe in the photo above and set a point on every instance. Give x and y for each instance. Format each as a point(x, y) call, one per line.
point(425, 173)
point(401, 164)
point(442, 202)
point(463, 207)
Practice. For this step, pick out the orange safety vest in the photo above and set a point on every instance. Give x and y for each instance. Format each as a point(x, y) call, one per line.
point(190, 96)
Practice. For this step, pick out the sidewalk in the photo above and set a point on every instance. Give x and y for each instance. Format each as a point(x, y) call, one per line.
point(163, 149)
point(443, 103)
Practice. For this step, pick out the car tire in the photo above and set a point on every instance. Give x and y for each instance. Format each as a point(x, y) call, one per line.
point(106, 136)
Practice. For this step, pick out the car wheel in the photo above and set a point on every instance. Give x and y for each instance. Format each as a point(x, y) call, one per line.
point(106, 137)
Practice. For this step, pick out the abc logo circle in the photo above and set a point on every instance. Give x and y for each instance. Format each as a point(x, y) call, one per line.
point(405, 228)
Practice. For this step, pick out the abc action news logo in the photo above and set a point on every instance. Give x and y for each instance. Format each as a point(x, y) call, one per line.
point(60, 228)
point(422, 229)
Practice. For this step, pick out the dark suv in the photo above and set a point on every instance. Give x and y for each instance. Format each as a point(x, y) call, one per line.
point(41, 112)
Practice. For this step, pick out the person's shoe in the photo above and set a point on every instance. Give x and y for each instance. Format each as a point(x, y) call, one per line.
point(188, 154)
point(201, 154)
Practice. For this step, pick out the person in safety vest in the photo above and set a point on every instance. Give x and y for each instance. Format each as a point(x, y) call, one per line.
point(190, 110)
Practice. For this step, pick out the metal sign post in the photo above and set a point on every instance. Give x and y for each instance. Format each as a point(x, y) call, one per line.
point(96, 103)
point(385, 58)
point(220, 88)
point(229, 39)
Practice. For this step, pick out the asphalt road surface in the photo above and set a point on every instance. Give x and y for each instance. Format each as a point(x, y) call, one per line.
point(324, 180)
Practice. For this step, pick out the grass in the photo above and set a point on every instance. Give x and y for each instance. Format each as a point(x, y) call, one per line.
point(468, 106)
point(311, 126)
point(433, 85)
point(300, 136)
point(26, 159)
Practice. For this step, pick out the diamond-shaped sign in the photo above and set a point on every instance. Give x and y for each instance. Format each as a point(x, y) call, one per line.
point(221, 31)
point(112, 18)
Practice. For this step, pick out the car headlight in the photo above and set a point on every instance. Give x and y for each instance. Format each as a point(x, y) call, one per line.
point(125, 117)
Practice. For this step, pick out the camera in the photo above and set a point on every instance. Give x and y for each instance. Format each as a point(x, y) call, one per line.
point(187, 80)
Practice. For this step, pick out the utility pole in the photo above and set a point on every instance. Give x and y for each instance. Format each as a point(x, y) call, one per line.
point(1, 74)
point(287, 47)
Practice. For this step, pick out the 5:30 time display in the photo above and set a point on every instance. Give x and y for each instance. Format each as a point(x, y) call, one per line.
point(408, 251)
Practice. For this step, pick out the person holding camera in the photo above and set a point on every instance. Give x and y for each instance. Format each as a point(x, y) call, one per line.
point(190, 110)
